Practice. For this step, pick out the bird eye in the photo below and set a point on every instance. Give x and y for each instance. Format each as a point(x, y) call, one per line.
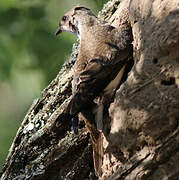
point(64, 18)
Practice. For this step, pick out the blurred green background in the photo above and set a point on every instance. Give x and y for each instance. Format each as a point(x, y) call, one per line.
point(30, 56)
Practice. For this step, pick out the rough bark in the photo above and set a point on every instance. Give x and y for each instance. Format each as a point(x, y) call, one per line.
point(143, 141)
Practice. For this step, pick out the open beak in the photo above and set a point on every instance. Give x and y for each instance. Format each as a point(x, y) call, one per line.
point(58, 31)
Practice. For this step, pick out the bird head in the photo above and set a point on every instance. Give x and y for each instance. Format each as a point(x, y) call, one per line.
point(74, 19)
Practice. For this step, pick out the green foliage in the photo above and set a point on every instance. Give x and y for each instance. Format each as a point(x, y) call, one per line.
point(100, 3)
point(28, 43)
point(6, 137)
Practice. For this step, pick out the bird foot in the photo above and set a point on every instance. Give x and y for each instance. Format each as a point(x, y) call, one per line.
point(64, 118)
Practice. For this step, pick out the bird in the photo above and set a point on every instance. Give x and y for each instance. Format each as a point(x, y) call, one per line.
point(103, 56)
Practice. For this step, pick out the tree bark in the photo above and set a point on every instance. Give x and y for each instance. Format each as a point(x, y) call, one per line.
point(143, 140)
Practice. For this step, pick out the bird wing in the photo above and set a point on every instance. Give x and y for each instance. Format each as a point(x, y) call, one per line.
point(89, 82)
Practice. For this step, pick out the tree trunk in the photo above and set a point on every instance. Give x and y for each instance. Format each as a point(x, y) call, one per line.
point(143, 140)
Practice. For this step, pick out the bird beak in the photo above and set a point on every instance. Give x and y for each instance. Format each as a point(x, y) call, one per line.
point(58, 31)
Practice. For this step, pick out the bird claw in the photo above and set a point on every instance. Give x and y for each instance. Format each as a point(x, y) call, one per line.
point(75, 124)
point(63, 118)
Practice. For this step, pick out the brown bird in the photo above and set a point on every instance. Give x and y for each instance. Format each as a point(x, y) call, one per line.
point(100, 65)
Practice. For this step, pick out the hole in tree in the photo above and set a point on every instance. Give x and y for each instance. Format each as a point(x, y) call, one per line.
point(155, 61)
point(168, 82)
